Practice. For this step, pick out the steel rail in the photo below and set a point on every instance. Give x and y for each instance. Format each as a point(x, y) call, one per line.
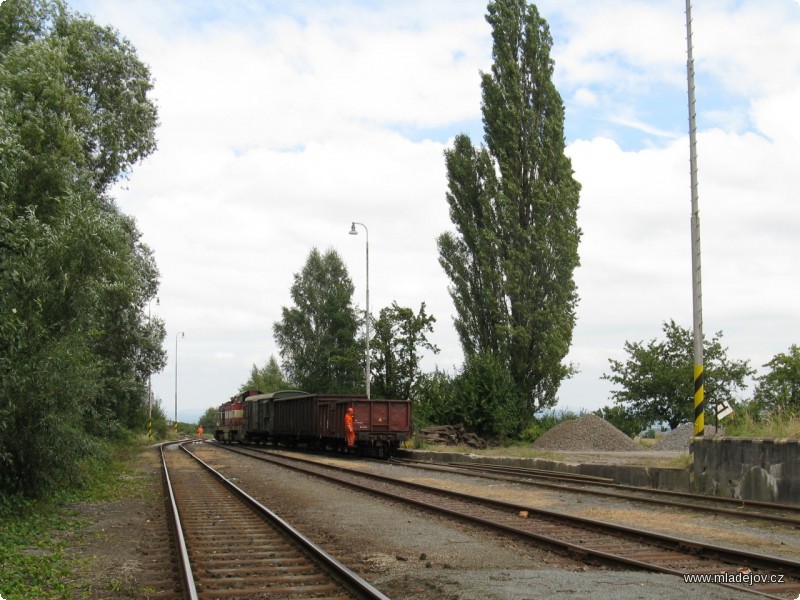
point(707, 552)
point(351, 581)
point(184, 564)
point(520, 475)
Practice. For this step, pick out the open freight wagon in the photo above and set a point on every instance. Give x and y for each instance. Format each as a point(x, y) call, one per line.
point(294, 418)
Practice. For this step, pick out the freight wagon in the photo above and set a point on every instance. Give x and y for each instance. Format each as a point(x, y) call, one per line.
point(294, 418)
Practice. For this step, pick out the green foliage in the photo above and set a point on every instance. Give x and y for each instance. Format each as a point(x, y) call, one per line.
point(753, 424)
point(268, 378)
point(514, 205)
point(433, 400)
point(34, 561)
point(317, 336)
point(657, 379)
point(778, 391)
point(482, 397)
point(75, 346)
point(160, 423)
point(621, 418)
point(209, 419)
point(489, 401)
point(399, 334)
point(34, 566)
point(80, 101)
point(544, 422)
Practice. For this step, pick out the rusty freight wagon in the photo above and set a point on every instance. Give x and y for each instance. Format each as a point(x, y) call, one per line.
point(294, 418)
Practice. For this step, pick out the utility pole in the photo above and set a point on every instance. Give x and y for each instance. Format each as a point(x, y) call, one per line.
point(697, 293)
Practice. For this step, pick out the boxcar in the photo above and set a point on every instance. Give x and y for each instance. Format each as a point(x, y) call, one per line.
point(294, 418)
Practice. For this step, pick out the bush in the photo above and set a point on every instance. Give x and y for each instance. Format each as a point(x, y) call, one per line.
point(541, 424)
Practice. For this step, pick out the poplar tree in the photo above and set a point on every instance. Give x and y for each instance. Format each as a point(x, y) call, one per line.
point(514, 205)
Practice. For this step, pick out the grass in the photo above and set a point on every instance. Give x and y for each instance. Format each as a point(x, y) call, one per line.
point(33, 566)
point(781, 427)
point(33, 562)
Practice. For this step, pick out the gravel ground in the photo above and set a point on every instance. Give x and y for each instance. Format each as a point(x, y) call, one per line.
point(679, 438)
point(409, 554)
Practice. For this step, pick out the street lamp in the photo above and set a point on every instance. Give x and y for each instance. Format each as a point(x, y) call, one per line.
point(180, 333)
point(366, 311)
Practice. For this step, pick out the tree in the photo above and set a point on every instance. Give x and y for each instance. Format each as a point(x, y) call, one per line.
point(488, 399)
point(399, 335)
point(317, 336)
point(268, 378)
point(209, 419)
point(654, 381)
point(482, 396)
point(779, 389)
point(75, 346)
point(622, 419)
point(514, 205)
point(79, 102)
point(433, 400)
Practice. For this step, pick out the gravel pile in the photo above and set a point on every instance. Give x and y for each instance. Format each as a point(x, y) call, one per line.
point(678, 439)
point(586, 433)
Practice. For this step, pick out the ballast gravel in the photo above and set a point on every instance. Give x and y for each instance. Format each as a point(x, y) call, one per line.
point(410, 554)
point(586, 433)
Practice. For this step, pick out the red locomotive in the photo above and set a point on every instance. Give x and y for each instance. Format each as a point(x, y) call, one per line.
point(294, 418)
point(230, 427)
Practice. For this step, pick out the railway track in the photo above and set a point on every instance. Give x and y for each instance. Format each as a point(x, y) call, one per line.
point(598, 486)
point(593, 541)
point(230, 546)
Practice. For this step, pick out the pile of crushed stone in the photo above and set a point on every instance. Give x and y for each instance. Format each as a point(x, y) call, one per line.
point(585, 433)
point(678, 439)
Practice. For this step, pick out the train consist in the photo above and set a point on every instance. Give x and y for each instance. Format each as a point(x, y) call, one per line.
point(294, 418)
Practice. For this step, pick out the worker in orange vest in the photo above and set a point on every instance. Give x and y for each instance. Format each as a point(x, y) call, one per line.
point(200, 432)
point(349, 428)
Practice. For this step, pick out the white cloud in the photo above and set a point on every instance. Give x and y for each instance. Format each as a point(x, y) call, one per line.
point(280, 128)
point(585, 97)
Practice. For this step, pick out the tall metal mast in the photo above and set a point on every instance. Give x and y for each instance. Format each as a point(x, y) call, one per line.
point(697, 293)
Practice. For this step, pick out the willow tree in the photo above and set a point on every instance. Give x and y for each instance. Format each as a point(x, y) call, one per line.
point(514, 205)
point(76, 343)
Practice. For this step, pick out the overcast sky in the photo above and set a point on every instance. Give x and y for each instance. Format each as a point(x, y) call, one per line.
point(284, 121)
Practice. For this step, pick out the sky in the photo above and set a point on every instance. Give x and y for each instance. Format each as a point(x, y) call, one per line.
point(282, 122)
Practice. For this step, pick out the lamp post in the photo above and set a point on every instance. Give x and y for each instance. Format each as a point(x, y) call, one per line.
point(366, 311)
point(180, 333)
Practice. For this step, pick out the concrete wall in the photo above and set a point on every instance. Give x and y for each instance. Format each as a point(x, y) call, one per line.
point(648, 477)
point(748, 469)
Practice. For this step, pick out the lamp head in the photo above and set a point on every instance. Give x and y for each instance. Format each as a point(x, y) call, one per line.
point(353, 229)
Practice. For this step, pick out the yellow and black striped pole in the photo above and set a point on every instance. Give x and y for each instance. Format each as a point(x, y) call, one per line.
point(149, 428)
point(697, 294)
point(699, 401)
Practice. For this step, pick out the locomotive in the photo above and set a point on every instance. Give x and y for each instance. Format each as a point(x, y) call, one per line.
point(294, 417)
